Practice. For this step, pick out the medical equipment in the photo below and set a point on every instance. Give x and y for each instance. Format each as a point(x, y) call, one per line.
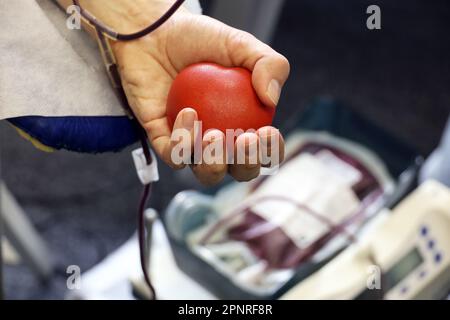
point(404, 254)
point(292, 217)
point(229, 263)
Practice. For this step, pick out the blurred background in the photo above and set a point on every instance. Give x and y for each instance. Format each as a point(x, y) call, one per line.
point(84, 206)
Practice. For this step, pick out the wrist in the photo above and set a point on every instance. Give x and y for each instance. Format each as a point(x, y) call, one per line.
point(127, 16)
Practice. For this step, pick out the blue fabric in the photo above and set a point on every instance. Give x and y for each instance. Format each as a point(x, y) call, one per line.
point(80, 134)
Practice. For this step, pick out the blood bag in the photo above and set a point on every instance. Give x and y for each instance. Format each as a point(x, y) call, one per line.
point(264, 230)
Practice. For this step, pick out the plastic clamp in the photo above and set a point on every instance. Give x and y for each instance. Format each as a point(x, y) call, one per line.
point(147, 173)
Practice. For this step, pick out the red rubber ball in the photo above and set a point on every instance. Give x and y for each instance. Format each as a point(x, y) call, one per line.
point(224, 98)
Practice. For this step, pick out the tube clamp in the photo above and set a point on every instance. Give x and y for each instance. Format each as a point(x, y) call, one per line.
point(147, 173)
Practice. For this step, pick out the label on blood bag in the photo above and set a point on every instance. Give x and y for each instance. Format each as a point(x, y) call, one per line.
point(349, 174)
point(311, 182)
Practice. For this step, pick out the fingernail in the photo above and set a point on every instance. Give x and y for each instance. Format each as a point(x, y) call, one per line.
point(188, 119)
point(274, 91)
point(213, 136)
point(251, 143)
point(252, 140)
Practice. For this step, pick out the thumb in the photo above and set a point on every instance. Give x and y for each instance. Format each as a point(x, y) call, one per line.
point(270, 69)
point(269, 75)
point(200, 39)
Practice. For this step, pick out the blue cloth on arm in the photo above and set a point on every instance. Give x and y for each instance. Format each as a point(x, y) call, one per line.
point(80, 134)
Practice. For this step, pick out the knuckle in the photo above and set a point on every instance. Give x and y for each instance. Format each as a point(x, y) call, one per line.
point(239, 40)
point(284, 63)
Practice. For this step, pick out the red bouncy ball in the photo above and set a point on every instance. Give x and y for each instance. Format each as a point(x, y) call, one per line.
point(224, 98)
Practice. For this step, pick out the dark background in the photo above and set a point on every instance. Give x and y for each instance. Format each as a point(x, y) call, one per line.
point(84, 206)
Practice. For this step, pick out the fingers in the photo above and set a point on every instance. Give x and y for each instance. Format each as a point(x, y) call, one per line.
point(176, 150)
point(264, 148)
point(246, 158)
point(213, 167)
point(271, 147)
point(269, 75)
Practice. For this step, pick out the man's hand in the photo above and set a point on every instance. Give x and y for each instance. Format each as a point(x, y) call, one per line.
point(149, 65)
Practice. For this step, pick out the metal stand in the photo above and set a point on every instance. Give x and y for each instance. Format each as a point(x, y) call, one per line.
point(1, 253)
point(259, 17)
point(23, 237)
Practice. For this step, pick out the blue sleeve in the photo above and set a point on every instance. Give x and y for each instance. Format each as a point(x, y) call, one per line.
point(80, 134)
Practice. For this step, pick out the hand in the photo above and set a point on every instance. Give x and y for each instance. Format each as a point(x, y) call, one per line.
point(149, 65)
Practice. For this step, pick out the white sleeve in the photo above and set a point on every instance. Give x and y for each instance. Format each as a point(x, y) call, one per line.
point(48, 70)
point(41, 74)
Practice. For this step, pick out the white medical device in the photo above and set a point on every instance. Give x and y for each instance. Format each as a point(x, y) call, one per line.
point(404, 254)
